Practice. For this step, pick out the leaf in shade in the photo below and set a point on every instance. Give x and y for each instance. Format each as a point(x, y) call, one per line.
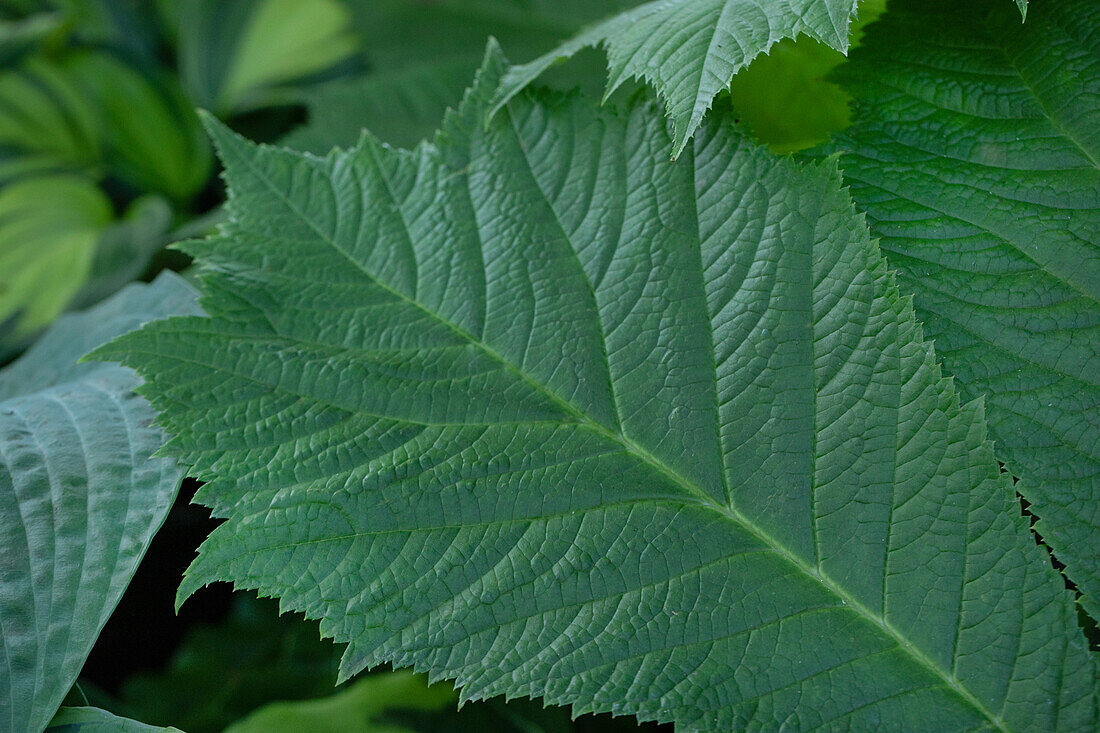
point(538, 410)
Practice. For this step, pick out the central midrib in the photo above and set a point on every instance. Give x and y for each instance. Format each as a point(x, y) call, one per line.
point(645, 456)
point(707, 501)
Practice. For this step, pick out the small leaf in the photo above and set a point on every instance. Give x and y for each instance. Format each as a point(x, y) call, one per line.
point(538, 410)
point(82, 496)
point(975, 154)
point(784, 96)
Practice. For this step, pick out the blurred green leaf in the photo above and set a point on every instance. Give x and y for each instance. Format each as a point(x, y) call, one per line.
point(128, 26)
point(94, 720)
point(225, 672)
point(360, 708)
point(48, 230)
point(125, 249)
point(784, 97)
point(401, 106)
point(22, 35)
point(238, 56)
point(82, 493)
point(404, 92)
point(46, 116)
point(88, 110)
point(150, 131)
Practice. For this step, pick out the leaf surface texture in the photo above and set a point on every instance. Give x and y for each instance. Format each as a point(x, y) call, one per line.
point(82, 497)
point(975, 155)
point(536, 409)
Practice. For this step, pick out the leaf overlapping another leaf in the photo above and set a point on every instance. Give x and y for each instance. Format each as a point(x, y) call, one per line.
point(537, 409)
point(402, 95)
point(975, 154)
point(689, 50)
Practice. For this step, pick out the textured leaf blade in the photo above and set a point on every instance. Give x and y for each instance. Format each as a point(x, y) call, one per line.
point(974, 153)
point(539, 410)
point(82, 497)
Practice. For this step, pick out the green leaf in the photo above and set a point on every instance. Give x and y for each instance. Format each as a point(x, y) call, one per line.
point(93, 720)
point(538, 410)
point(149, 130)
point(82, 496)
point(91, 111)
point(784, 98)
point(48, 231)
point(975, 154)
point(44, 113)
point(361, 708)
point(125, 249)
point(242, 55)
point(689, 50)
point(402, 95)
point(23, 35)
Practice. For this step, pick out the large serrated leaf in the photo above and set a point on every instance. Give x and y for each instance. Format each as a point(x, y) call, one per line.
point(536, 409)
point(975, 154)
point(82, 497)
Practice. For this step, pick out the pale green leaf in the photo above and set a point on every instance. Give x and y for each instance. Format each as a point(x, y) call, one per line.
point(242, 55)
point(48, 231)
point(93, 720)
point(361, 708)
point(89, 110)
point(148, 129)
point(45, 114)
point(784, 97)
point(538, 410)
point(82, 497)
point(975, 154)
